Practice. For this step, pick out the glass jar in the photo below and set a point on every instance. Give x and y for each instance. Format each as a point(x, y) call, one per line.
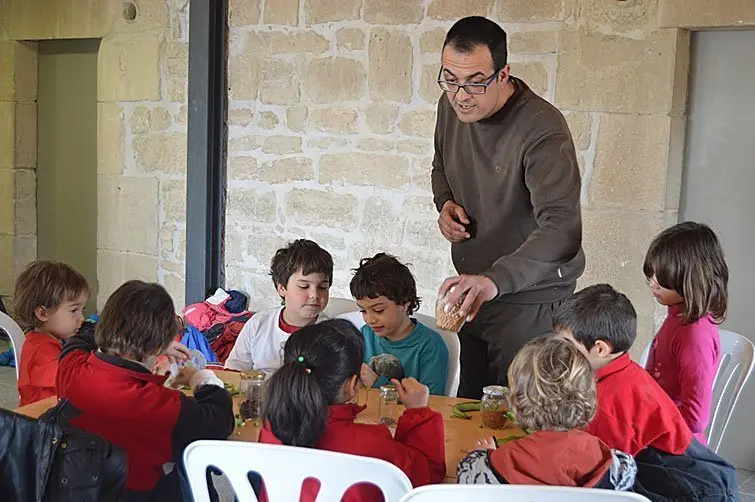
point(495, 403)
point(250, 387)
point(388, 406)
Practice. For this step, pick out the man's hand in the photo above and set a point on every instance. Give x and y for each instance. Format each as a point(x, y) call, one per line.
point(367, 376)
point(477, 288)
point(451, 221)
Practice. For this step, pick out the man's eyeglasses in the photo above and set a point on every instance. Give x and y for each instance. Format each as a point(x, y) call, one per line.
point(454, 87)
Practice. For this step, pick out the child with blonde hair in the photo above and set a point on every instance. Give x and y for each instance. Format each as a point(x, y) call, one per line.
point(553, 397)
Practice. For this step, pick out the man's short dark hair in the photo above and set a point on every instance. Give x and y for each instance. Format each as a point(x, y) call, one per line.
point(304, 255)
point(138, 320)
point(598, 312)
point(470, 32)
point(384, 275)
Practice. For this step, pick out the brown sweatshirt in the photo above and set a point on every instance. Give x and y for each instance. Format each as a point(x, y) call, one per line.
point(516, 176)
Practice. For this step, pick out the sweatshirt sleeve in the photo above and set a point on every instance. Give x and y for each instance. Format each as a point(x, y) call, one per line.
point(419, 446)
point(441, 189)
point(207, 415)
point(75, 352)
point(698, 362)
point(240, 357)
point(44, 368)
point(551, 174)
point(433, 369)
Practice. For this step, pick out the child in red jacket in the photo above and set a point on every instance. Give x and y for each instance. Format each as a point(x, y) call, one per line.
point(108, 378)
point(307, 404)
point(49, 301)
point(634, 413)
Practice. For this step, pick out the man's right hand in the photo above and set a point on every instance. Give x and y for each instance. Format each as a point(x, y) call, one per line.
point(451, 222)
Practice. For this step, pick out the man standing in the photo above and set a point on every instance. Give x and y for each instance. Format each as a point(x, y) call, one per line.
point(506, 183)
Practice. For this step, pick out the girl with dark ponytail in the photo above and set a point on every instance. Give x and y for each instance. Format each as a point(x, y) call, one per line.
point(307, 404)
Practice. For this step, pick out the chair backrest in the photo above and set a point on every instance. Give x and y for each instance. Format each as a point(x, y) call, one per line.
point(451, 340)
point(734, 369)
point(516, 493)
point(16, 335)
point(338, 306)
point(284, 469)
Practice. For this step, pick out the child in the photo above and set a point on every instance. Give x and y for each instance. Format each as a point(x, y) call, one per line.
point(307, 404)
point(302, 273)
point(108, 379)
point(395, 344)
point(49, 301)
point(634, 414)
point(686, 272)
point(553, 395)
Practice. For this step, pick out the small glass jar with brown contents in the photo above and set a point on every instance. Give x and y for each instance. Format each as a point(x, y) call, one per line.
point(251, 388)
point(495, 404)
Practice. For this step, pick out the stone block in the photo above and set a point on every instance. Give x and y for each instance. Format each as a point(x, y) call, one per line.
point(273, 43)
point(281, 145)
point(428, 84)
point(7, 197)
point(286, 169)
point(296, 118)
point(269, 120)
point(334, 79)
point(167, 239)
point(282, 12)
point(702, 14)
point(534, 10)
point(251, 204)
point(382, 221)
point(7, 78)
point(178, 59)
point(334, 120)
point(415, 146)
point(323, 11)
point(177, 89)
point(161, 152)
point(26, 135)
point(7, 279)
point(159, 118)
point(127, 218)
point(24, 252)
point(129, 68)
point(240, 117)
point(534, 75)
point(376, 145)
point(173, 199)
point(279, 84)
point(432, 41)
point(25, 72)
point(580, 125)
point(317, 208)
point(243, 12)
point(619, 17)
point(243, 77)
point(26, 202)
point(421, 173)
point(418, 122)
point(453, 10)
point(42, 19)
point(150, 15)
point(245, 143)
point(421, 208)
point(390, 55)
point(350, 39)
point(424, 234)
point(7, 134)
point(381, 118)
point(140, 120)
point(242, 168)
point(326, 143)
point(533, 42)
point(631, 162)
point(393, 11)
point(617, 69)
point(175, 285)
point(114, 268)
point(386, 171)
point(263, 247)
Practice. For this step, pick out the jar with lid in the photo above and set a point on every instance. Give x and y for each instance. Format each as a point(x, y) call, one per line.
point(495, 404)
point(388, 406)
point(251, 388)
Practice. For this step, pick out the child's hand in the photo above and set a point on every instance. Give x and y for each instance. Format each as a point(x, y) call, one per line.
point(162, 367)
point(367, 376)
point(487, 443)
point(412, 393)
point(177, 352)
point(184, 376)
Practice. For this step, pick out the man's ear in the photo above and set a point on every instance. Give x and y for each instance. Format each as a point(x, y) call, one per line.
point(504, 74)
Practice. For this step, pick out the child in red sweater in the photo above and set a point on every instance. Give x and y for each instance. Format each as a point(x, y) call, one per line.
point(49, 301)
point(686, 271)
point(634, 414)
point(307, 404)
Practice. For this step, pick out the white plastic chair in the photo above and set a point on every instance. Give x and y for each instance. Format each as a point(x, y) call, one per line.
point(516, 493)
point(338, 306)
point(284, 469)
point(16, 335)
point(735, 368)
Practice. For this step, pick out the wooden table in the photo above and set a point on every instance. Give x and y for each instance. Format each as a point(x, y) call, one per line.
point(460, 435)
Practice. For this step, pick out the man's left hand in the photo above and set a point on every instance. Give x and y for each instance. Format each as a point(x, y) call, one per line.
point(478, 289)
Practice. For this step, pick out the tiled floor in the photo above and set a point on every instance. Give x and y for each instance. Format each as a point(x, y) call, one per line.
point(746, 485)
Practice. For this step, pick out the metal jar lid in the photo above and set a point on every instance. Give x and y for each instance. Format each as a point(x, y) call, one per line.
point(495, 391)
point(253, 375)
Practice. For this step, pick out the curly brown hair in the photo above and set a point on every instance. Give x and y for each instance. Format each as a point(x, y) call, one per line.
point(385, 275)
point(552, 386)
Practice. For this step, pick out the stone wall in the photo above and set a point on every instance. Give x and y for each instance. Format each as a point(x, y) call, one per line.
point(332, 114)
